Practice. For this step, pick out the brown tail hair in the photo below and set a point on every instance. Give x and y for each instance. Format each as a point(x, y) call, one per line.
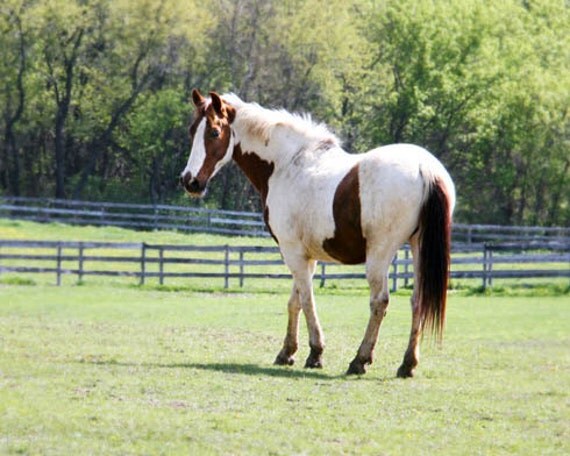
point(435, 246)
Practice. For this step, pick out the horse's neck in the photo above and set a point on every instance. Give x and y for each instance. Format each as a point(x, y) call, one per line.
point(277, 141)
point(264, 148)
point(258, 155)
point(266, 143)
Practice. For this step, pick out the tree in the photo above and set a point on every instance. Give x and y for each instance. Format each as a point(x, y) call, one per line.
point(474, 83)
point(12, 75)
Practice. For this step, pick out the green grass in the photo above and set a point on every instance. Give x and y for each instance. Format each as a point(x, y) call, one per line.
point(107, 367)
point(125, 370)
point(11, 229)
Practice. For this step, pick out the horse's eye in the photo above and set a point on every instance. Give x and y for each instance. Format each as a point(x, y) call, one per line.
point(215, 133)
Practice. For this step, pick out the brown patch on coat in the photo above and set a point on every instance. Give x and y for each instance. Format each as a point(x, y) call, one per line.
point(348, 244)
point(257, 170)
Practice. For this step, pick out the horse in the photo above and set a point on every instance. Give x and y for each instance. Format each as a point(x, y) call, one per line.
point(321, 203)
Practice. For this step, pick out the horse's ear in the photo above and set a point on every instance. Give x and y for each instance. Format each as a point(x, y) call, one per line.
point(231, 113)
point(217, 104)
point(198, 99)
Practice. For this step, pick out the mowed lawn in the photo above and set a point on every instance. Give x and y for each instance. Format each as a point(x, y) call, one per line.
point(98, 369)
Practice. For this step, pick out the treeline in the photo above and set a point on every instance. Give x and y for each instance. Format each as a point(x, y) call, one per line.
point(94, 93)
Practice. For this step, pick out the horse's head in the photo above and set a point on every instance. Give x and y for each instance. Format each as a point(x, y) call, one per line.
point(212, 142)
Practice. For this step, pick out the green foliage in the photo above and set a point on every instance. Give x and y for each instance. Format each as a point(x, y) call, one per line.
point(480, 86)
point(93, 96)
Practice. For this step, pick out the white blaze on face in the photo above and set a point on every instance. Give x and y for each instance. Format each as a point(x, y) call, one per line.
point(198, 152)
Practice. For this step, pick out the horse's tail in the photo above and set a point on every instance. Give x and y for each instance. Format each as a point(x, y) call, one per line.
point(434, 263)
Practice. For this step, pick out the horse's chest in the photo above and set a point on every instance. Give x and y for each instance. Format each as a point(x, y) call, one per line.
point(301, 211)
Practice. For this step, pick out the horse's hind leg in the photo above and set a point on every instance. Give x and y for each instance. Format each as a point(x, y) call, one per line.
point(290, 345)
point(412, 355)
point(379, 300)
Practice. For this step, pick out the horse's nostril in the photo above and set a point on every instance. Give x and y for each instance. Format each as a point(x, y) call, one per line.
point(185, 178)
point(194, 186)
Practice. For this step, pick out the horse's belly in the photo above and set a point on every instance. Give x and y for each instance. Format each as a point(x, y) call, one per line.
point(302, 214)
point(323, 219)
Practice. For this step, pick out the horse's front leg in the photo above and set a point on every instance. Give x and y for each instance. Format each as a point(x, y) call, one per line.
point(286, 355)
point(316, 337)
point(302, 297)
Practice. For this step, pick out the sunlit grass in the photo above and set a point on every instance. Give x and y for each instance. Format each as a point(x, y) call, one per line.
point(129, 370)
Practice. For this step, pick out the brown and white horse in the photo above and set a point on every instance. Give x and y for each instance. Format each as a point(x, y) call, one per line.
point(321, 203)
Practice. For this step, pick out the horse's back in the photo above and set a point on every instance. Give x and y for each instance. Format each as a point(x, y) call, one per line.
point(394, 180)
point(403, 166)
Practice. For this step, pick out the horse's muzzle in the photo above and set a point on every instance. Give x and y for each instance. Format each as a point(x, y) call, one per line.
point(192, 185)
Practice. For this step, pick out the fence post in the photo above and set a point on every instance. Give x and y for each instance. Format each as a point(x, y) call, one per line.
point(143, 263)
point(484, 266)
point(80, 272)
point(241, 268)
point(161, 266)
point(227, 267)
point(323, 275)
point(395, 272)
point(490, 267)
point(58, 273)
point(406, 267)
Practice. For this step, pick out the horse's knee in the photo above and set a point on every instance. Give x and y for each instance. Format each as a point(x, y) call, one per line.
point(379, 304)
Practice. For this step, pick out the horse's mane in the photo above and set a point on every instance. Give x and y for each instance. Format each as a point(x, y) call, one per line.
point(261, 121)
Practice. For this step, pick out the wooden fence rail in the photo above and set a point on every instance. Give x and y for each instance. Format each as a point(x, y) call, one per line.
point(145, 262)
point(192, 219)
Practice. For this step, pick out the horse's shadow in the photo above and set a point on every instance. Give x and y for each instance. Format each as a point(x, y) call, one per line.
point(247, 369)
point(257, 370)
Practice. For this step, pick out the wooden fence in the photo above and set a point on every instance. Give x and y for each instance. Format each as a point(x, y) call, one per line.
point(135, 216)
point(192, 219)
point(236, 264)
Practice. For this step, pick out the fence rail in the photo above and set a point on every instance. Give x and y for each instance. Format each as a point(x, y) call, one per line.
point(145, 262)
point(136, 216)
point(191, 219)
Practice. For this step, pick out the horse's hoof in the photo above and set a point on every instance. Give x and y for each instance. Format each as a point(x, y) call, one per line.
point(313, 363)
point(284, 360)
point(405, 371)
point(314, 360)
point(356, 367)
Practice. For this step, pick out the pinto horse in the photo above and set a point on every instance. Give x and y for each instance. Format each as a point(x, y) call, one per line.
point(322, 203)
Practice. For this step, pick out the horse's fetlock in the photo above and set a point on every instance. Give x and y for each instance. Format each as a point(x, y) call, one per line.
point(291, 348)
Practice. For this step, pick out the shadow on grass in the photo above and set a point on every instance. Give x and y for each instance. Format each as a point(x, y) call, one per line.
point(234, 369)
point(256, 370)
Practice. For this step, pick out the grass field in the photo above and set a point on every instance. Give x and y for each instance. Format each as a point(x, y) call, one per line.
point(113, 368)
point(103, 370)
